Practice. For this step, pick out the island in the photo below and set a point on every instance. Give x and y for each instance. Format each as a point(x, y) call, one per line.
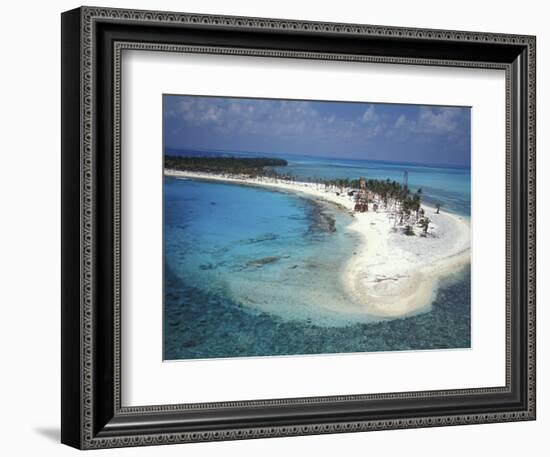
point(407, 249)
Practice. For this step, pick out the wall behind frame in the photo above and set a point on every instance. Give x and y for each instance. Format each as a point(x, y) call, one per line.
point(30, 225)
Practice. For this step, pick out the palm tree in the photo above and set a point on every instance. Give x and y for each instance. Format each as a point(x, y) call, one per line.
point(425, 223)
point(415, 204)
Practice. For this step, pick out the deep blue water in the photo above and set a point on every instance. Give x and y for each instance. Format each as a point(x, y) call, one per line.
point(248, 271)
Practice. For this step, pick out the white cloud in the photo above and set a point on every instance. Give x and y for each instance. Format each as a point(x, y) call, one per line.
point(402, 122)
point(283, 119)
point(369, 115)
point(430, 121)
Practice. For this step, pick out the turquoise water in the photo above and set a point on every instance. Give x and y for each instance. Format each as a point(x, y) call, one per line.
point(252, 272)
point(449, 186)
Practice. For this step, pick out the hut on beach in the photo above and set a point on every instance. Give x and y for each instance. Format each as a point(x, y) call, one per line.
point(362, 197)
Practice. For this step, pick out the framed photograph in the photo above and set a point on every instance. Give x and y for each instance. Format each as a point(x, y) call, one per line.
point(274, 227)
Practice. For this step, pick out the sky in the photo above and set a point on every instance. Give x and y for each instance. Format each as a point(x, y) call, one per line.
point(372, 131)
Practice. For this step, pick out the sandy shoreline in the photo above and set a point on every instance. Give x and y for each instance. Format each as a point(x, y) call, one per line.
point(390, 274)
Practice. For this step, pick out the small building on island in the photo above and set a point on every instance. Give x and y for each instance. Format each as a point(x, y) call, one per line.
point(362, 197)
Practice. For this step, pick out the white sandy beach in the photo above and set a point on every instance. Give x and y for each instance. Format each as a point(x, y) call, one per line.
point(390, 274)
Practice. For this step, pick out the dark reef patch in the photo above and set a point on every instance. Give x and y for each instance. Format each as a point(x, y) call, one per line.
point(320, 221)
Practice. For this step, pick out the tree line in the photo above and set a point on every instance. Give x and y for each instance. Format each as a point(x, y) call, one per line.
point(250, 166)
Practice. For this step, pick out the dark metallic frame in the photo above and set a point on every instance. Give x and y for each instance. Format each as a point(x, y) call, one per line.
point(93, 40)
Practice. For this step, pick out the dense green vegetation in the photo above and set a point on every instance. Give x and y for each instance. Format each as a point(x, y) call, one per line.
point(401, 204)
point(251, 166)
point(387, 190)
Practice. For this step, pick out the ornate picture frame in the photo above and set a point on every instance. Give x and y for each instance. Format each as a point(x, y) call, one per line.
point(93, 416)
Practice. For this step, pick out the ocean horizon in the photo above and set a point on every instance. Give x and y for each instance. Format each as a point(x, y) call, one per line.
point(190, 152)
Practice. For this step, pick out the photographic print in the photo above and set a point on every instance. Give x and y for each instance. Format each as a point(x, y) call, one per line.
point(301, 227)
